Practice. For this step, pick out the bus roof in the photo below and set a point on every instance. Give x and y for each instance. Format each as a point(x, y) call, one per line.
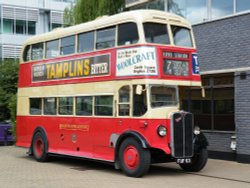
point(106, 21)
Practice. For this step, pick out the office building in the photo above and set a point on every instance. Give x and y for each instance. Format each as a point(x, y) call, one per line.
point(21, 19)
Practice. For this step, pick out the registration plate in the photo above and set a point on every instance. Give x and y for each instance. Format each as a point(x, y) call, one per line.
point(184, 161)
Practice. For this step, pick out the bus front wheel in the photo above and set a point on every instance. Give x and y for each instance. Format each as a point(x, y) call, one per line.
point(40, 147)
point(134, 160)
point(198, 162)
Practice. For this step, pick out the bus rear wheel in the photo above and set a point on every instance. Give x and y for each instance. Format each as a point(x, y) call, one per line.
point(40, 147)
point(134, 160)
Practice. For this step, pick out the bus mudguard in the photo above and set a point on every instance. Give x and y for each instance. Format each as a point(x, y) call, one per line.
point(200, 141)
point(116, 140)
point(42, 131)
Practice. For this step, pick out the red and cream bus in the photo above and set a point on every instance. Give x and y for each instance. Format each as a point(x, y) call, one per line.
point(111, 90)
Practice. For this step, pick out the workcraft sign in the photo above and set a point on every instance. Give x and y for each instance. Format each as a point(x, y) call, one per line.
point(75, 68)
point(136, 61)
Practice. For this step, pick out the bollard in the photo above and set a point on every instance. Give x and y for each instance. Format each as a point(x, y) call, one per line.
point(6, 136)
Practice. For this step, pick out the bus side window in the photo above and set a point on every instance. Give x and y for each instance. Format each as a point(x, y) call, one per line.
point(105, 38)
point(124, 101)
point(68, 45)
point(65, 106)
point(37, 51)
point(35, 106)
point(139, 102)
point(86, 42)
point(52, 48)
point(50, 106)
point(127, 34)
point(104, 105)
point(26, 53)
point(84, 106)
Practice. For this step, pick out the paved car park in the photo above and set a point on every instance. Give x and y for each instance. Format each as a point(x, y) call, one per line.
point(18, 170)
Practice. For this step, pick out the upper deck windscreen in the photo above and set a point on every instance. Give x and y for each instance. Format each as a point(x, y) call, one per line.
point(158, 33)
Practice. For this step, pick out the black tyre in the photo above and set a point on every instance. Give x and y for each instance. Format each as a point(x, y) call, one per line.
point(134, 160)
point(198, 162)
point(40, 147)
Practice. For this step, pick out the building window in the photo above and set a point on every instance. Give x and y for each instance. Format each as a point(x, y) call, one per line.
point(194, 11)
point(20, 27)
point(222, 8)
point(55, 25)
point(215, 111)
point(31, 28)
point(86, 41)
point(242, 5)
point(8, 26)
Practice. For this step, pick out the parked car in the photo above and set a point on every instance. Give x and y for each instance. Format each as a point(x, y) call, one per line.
point(6, 136)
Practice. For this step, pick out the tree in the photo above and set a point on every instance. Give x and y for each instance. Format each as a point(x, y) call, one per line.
point(86, 10)
point(8, 88)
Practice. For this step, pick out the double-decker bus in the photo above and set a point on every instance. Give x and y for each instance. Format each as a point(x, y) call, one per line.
point(111, 90)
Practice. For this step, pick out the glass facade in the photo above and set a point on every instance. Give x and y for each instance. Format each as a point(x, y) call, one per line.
point(197, 11)
point(20, 27)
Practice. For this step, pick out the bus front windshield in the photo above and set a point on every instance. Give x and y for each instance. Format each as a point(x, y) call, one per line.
point(158, 33)
point(163, 96)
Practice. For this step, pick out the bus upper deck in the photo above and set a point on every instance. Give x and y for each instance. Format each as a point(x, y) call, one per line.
point(132, 45)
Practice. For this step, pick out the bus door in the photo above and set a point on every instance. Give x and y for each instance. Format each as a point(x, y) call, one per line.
point(132, 104)
point(102, 126)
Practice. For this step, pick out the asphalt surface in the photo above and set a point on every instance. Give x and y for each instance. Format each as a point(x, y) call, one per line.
point(17, 170)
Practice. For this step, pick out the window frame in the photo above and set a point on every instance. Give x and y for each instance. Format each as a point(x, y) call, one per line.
point(73, 44)
point(103, 105)
point(92, 106)
point(58, 49)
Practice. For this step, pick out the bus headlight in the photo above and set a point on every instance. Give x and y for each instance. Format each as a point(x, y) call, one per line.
point(162, 131)
point(197, 130)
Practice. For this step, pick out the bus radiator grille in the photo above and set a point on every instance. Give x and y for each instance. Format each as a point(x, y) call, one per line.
point(182, 135)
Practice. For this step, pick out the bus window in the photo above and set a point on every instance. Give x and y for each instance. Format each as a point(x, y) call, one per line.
point(139, 102)
point(52, 49)
point(86, 42)
point(26, 53)
point(105, 38)
point(37, 51)
point(50, 106)
point(124, 101)
point(163, 96)
point(35, 106)
point(156, 33)
point(181, 36)
point(127, 34)
point(104, 105)
point(65, 106)
point(68, 45)
point(84, 106)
